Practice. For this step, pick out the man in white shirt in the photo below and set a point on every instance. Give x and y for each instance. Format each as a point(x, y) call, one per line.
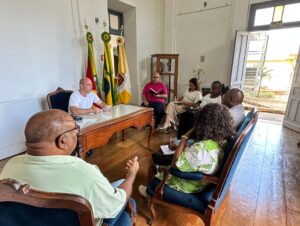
point(215, 96)
point(81, 101)
point(233, 99)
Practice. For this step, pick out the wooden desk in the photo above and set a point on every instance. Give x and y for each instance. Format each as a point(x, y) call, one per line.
point(97, 129)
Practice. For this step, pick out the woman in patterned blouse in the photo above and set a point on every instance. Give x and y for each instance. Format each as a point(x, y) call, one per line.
point(213, 127)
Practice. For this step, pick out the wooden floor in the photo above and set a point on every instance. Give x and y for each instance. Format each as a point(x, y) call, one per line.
point(265, 190)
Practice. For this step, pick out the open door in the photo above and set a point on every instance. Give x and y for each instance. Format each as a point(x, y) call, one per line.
point(238, 70)
point(292, 113)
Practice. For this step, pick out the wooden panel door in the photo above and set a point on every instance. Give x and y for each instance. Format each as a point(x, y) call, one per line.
point(238, 69)
point(292, 113)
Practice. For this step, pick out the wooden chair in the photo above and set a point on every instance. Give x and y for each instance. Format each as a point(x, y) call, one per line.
point(22, 205)
point(204, 203)
point(59, 99)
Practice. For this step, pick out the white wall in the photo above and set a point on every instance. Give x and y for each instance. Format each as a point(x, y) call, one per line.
point(43, 46)
point(38, 54)
point(192, 30)
point(148, 34)
point(143, 33)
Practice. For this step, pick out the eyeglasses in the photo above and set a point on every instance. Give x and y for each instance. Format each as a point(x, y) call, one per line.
point(77, 127)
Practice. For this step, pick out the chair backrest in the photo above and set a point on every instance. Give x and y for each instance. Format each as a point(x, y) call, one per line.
point(59, 99)
point(247, 120)
point(231, 142)
point(22, 205)
point(234, 157)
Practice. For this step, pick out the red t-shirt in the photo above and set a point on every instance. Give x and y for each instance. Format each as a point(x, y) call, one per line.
point(159, 87)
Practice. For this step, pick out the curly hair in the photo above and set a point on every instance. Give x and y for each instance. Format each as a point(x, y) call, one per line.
point(214, 122)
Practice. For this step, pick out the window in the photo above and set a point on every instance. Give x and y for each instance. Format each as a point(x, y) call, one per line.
point(291, 13)
point(115, 22)
point(274, 15)
point(263, 16)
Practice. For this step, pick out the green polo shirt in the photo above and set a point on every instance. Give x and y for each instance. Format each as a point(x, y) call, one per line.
point(68, 174)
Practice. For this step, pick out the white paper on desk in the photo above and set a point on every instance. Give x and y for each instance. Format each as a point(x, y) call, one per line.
point(166, 150)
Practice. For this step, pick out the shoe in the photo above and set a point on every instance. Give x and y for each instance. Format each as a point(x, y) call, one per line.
point(90, 153)
point(175, 128)
point(168, 130)
point(142, 190)
point(164, 127)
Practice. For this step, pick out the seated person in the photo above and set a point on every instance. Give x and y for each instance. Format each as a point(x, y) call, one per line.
point(81, 101)
point(187, 119)
point(215, 96)
point(191, 98)
point(154, 95)
point(233, 99)
point(51, 136)
point(212, 129)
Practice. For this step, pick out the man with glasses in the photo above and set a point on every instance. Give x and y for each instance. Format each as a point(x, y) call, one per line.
point(154, 95)
point(51, 136)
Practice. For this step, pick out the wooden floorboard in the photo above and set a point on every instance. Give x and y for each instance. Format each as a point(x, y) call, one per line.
point(265, 189)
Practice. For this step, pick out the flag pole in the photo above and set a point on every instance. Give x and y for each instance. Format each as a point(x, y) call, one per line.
point(122, 30)
point(91, 70)
point(104, 25)
point(85, 25)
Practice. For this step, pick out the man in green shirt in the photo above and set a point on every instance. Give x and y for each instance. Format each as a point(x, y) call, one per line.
point(51, 136)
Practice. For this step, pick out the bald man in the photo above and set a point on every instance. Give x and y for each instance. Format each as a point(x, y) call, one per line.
point(51, 137)
point(233, 99)
point(81, 101)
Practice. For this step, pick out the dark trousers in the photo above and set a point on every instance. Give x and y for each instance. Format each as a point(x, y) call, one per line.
point(187, 121)
point(159, 110)
point(160, 159)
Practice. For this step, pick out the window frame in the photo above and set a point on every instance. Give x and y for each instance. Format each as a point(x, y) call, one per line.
point(120, 20)
point(263, 5)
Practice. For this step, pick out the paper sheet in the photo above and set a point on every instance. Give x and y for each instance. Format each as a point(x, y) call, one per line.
point(166, 150)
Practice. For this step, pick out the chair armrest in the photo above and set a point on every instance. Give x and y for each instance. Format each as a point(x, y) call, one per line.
point(159, 191)
point(194, 176)
point(131, 209)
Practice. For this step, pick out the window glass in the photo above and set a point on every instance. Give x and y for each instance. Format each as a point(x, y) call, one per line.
point(291, 13)
point(278, 13)
point(263, 16)
point(114, 21)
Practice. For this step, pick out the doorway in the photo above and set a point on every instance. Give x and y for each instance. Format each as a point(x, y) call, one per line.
point(270, 64)
point(273, 63)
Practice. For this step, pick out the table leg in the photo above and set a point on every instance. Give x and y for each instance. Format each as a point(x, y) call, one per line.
point(123, 135)
point(150, 133)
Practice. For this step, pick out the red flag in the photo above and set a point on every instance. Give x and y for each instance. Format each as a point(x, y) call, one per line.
point(91, 67)
point(89, 75)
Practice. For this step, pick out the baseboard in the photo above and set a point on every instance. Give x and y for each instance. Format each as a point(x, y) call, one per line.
point(11, 150)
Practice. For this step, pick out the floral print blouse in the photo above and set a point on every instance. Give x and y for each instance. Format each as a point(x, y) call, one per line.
point(202, 156)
